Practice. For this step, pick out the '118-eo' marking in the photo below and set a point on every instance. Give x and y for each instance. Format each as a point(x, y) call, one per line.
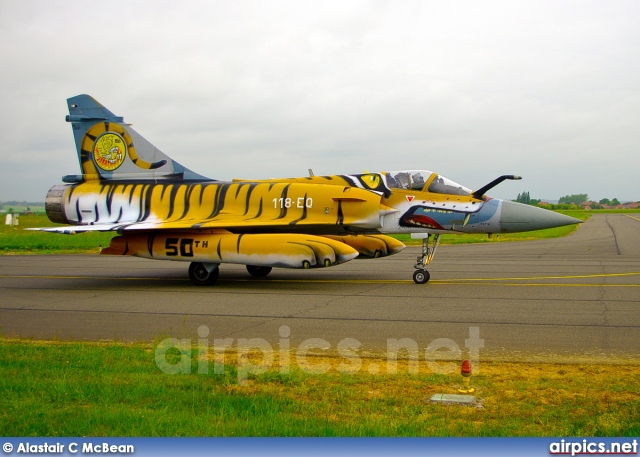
point(300, 202)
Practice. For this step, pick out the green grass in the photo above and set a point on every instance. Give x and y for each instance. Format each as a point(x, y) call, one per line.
point(17, 240)
point(111, 389)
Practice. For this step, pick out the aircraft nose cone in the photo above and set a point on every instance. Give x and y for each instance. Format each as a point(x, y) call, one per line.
point(517, 217)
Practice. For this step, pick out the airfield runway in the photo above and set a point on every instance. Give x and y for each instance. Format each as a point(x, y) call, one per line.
point(573, 298)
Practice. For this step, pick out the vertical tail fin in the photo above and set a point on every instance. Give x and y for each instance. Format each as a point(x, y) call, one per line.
point(110, 150)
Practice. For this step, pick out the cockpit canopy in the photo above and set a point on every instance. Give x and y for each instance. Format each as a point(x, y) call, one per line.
point(419, 180)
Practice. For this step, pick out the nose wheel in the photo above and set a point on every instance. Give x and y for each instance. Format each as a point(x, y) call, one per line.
point(421, 275)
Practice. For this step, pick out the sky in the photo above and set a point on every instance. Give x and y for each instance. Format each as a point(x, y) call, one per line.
point(545, 89)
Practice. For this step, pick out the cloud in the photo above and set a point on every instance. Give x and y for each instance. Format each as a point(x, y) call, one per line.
point(258, 89)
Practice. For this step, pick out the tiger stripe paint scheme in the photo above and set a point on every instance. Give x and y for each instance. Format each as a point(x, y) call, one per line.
point(163, 210)
point(241, 206)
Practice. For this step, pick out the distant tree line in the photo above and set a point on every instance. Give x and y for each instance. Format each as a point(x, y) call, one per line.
point(606, 201)
point(573, 201)
point(16, 203)
point(566, 202)
point(525, 198)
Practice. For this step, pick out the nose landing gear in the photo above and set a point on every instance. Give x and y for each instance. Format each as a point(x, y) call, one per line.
point(421, 275)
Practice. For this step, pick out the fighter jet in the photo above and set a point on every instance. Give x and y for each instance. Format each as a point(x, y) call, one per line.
point(162, 210)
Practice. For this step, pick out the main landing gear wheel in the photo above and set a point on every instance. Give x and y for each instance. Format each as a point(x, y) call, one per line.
point(421, 276)
point(203, 274)
point(258, 272)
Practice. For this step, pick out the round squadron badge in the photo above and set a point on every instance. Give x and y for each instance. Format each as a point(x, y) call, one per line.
point(109, 151)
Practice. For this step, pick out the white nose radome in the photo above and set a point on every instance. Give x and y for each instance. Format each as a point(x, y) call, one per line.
point(517, 217)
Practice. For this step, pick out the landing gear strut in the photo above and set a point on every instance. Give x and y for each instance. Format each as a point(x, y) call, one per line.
point(203, 274)
point(421, 275)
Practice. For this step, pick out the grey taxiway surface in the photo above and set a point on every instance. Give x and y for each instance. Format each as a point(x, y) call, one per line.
point(573, 298)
